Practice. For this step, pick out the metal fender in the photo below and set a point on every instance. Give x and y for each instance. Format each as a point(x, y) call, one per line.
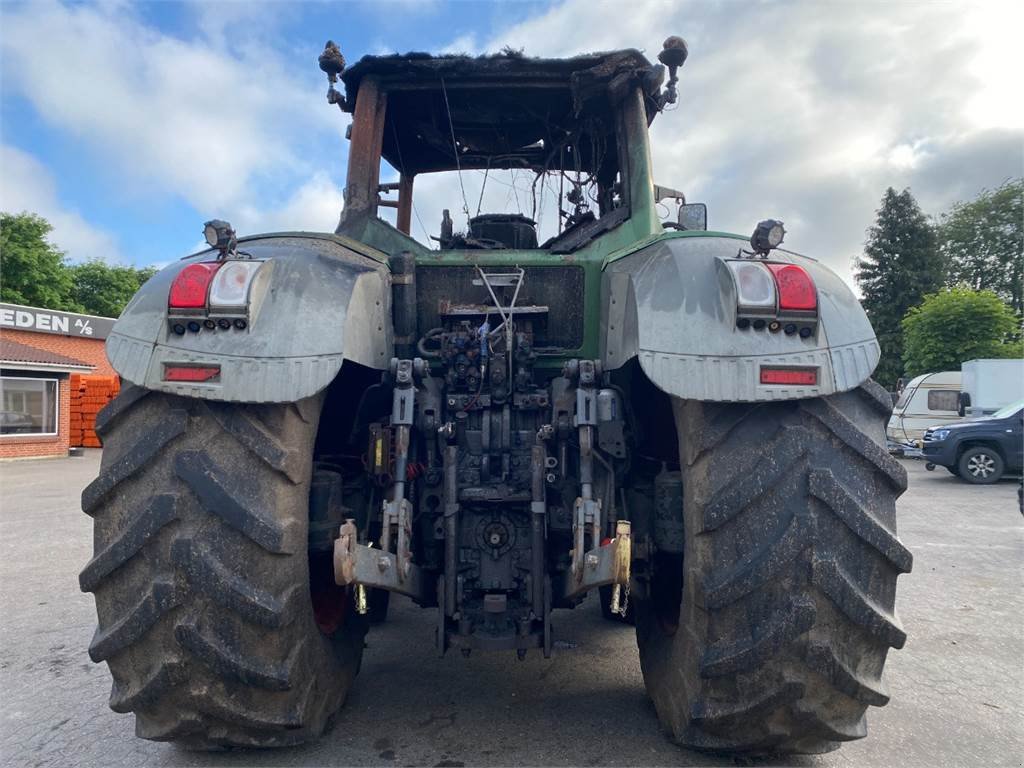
point(326, 299)
point(672, 305)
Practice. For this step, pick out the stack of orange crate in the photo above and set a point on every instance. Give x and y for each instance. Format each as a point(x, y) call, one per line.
point(89, 395)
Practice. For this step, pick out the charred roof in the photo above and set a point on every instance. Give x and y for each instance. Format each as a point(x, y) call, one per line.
point(503, 110)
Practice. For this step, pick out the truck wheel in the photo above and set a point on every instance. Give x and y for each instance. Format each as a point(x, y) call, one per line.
point(204, 586)
point(981, 465)
point(774, 636)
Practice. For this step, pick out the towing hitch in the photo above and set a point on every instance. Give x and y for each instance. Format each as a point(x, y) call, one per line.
point(364, 566)
point(601, 566)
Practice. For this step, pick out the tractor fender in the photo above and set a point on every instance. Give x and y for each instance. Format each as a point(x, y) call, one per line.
point(324, 299)
point(672, 305)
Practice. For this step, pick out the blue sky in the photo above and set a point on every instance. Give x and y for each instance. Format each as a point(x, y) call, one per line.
point(129, 125)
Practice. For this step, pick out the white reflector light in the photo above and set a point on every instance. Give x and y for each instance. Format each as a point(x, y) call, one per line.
point(755, 287)
point(230, 286)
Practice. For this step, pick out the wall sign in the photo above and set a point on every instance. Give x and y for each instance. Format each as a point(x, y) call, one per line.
point(48, 321)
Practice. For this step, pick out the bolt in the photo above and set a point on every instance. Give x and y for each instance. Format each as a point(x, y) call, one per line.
point(520, 653)
point(592, 561)
point(383, 563)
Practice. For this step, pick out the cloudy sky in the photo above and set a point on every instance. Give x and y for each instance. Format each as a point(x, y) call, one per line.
point(129, 125)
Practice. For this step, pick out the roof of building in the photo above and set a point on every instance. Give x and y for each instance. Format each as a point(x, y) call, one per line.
point(13, 354)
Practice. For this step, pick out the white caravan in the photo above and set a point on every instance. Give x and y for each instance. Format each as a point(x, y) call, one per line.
point(928, 400)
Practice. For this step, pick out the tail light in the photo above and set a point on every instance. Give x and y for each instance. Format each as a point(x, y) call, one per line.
point(807, 377)
point(755, 289)
point(796, 289)
point(191, 373)
point(230, 286)
point(189, 289)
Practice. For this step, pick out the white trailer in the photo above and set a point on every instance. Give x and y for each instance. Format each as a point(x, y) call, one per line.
point(925, 401)
point(988, 385)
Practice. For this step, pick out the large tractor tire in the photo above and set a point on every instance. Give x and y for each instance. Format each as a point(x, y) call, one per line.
point(204, 586)
point(770, 633)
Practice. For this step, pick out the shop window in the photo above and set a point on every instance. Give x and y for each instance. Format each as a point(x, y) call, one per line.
point(943, 399)
point(28, 406)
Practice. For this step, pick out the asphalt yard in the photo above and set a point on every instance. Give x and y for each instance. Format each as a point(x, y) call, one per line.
point(957, 687)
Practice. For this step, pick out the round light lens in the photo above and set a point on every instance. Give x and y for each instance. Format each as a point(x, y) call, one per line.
point(775, 235)
point(210, 233)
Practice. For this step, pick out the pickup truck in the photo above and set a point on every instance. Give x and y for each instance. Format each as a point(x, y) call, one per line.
point(980, 450)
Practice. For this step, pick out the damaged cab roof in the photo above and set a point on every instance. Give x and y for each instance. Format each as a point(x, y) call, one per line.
point(504, 110)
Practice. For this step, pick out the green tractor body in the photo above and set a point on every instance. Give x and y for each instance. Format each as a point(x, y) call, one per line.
point(677, 421)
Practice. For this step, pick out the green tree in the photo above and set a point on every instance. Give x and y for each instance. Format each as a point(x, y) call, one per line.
point(900, 265)
point(956, 325)
point(103, 289)
point(983, 242)
point(32, 269)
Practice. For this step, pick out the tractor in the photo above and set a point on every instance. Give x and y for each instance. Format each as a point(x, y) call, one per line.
point(677, 422)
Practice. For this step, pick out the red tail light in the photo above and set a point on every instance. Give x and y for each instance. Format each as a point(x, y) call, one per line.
point(796, 289)
point(191, 372)
point(188, 291)
point(807, 377)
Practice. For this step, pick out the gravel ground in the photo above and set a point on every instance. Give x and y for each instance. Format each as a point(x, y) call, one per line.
point(956, 686)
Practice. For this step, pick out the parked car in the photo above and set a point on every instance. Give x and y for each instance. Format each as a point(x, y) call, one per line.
point(928, 400)
point(979, 450)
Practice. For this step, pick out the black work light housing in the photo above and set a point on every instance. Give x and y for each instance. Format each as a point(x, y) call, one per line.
point(219, 235)
point(768, 235)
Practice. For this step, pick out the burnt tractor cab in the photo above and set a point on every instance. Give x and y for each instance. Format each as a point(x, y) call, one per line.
point(582, 121)
point(523, 405)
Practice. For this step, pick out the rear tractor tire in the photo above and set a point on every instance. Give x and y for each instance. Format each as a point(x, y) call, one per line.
point(204, 585)
point(774, 638)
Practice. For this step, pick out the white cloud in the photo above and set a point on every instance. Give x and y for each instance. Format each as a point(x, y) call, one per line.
point(790, 110)
point(26, 185)
point(313, 207)
point(184, 117)
point(807, 113)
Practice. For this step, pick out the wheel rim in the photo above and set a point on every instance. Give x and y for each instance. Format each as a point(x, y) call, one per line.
point(981, 465)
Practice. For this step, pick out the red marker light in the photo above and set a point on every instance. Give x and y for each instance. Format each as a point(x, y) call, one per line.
point(195, 373)
point(807, 377)
point(796, 289)
point(188, 291)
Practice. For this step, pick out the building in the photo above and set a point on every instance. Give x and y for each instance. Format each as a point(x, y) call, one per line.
point(39, 350)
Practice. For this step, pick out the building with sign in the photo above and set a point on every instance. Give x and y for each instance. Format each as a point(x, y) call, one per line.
point(39, 350)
